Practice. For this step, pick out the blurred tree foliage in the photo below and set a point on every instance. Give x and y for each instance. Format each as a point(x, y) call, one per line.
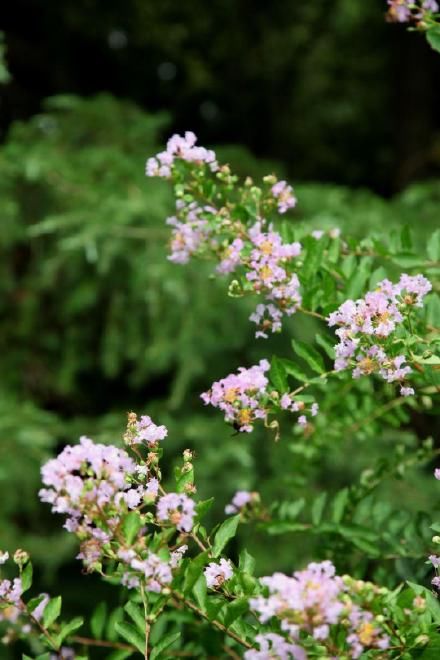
point(96, 321)
point(326, 86)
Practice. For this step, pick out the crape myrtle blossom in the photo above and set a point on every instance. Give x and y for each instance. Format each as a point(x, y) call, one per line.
point(245, 397)
point(11, 591)
point(241, 500)
point(275, 647)
point(283, 193)
point(406, 11)
point(241, 396)
point(315, 599)
point(148, 432)
point(218, 573)
point(268, 275)
point(298, 406)
point(199, 228)
point(192, 233)
point(180, 148)
point(178, 509)
point(366, 324)
point(155, 572)
point(97, 486)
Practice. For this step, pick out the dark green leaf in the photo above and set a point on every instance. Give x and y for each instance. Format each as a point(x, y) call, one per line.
point(52, 611)
point(97, 620)
point(164, 643)
point(131, 526)
point(277, 375)
point(309, 355)
point(131, 635)
point(225, 533)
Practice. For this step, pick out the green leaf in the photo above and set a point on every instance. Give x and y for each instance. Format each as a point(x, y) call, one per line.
point(433, 246)
point(309, 355)
point(34, 602)
point(131, 635)
point(131, 525)
point(338, 505)
point(97, 620)
point(200, 592)
point(327, 344)
point(203, 507)
point(356, 284)
point(246, 562)
point(164, 644)
point(52, 611)
point(136, 614)
point(277, 375)
point(318, 508)
point(293, 370)
point(69, 628)
point(194, 570)
point(433, 37)
point(234, 610)
point(225, 533)
point(26, 577)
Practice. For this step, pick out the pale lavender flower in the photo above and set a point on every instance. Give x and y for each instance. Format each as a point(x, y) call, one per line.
point(239, 501)
point(275, 647)
point(283, 193)
point(241, 396)
point(178, 509)
point(218, 573)
point(437, 473)
point(11, 592)
point(148, 432)
point(180, 148)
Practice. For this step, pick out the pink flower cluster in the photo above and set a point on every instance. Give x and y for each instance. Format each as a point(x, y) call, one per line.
point(148, 432)
point(218, 573)
point(289, 403)
point(10, 592)
point(178, 509)
point(241, 499)
point(275, 647)
point(155, 572)
point(180, 148)
point(192, 233)
point(259, 249)
point(94, 486)
point(265, 257)
point(241, 396)
point(405, 11)
point(97, 485)
point(268, 275)
point(366, 323)
point(283, 193)
point(313, 600)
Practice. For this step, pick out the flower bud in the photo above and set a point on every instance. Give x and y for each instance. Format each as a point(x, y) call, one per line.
point(188, 455)
point(21, 557)
point(436, 539)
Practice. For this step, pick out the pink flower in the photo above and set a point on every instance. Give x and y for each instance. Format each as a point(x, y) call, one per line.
point(217, 574)
point(148, 432)
point(283, 193)
point(177, 509)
